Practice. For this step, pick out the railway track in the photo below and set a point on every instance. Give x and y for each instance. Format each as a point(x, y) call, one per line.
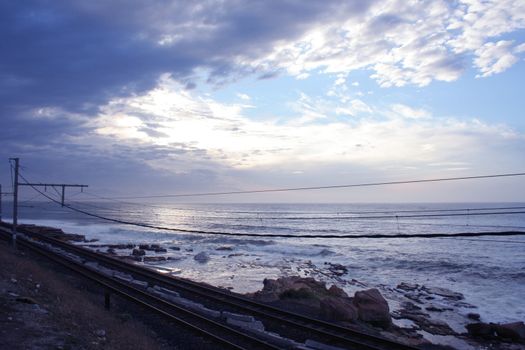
point(276, 319)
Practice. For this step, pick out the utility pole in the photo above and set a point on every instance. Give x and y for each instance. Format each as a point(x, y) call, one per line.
point(15, 194)
point(15, 199)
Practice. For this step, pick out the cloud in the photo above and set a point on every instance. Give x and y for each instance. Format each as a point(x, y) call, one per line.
point(493, 58)
point(79, 55)
point(401, 42)
point(314, 135)
point(244, 97)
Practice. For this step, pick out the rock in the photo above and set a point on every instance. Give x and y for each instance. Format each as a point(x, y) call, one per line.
point(407, 286)
point(514, 331)
point(337, 292)
point(337, 269)
point(144, 246)
point(111, 251)
point(138, 252)
point(481, 329)
point(224, 248)
point(372, 308)
point(202, 257)
point(54, 233)
point(415, 296)
point(294, 287)
point(473, 316)
point(447, 293)
point(154, 246)
point(121, 246)
point(435, 308)
point(161, 250)
point(338, 309)
point(409, 306)
point(437, 327)
point(175, 248)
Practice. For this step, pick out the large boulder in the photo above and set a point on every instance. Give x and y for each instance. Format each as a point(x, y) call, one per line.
point(293, 287)
point(338, 309)
point(372, 308)
point(514, 331)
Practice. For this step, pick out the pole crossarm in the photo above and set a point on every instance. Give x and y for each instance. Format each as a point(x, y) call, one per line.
point(53, 185)
point(50, 185)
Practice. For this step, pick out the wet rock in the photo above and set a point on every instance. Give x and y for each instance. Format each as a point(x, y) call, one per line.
point(111, 251)
point(338, 309)
point(447, 293)
point(407, 286)
point(175, 248)
point(480, 329)
point(473, 316)
point(121, 246)
point(224, 248)
point(373, 308)
point(144, 246)
point(138, 252)
point(414, 296)
point(514, 331)
point(437, 327)
point(202, 257)
point(435, 308)
point(337, 269)
point(154, 246)
point(409, 306)
point(160, 250)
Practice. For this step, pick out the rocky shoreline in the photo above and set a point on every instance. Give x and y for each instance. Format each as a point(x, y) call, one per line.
point(413, 314)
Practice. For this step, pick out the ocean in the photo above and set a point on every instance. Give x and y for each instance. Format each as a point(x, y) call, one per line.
point(489, 271)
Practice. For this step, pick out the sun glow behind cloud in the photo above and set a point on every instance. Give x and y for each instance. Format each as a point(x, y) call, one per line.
point(169, 115)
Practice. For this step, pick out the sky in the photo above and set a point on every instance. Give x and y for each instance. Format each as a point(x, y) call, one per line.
point(167, 97)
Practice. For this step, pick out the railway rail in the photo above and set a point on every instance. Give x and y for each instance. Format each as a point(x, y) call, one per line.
point(230, 337)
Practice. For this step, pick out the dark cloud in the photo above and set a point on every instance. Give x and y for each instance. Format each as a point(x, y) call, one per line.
point(77, 55)
point(72, 57)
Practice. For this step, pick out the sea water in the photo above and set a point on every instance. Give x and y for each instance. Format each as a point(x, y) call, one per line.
point(489, 271)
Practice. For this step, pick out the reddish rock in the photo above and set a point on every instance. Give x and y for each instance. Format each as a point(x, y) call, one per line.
point(373, 308)
point(337, 292)
point(338, 309)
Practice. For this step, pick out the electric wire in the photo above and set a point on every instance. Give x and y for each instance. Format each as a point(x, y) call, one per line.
point(354, 236)
point(325, 187)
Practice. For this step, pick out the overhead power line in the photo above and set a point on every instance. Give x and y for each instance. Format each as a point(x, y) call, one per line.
point(366, 184)
point(239, 234)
